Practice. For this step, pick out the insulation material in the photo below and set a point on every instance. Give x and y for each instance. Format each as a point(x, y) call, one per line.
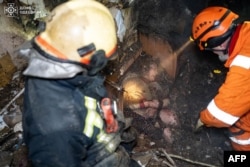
point(121, 29)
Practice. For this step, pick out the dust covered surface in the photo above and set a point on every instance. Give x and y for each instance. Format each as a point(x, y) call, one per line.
point(195, 85)
point(197, 81)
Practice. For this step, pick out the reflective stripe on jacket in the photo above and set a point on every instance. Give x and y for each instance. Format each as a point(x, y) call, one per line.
point(232, 103)
point(62, 126)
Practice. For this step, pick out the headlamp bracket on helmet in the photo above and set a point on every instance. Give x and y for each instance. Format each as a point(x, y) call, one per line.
point(86, 49)
point(98, 59)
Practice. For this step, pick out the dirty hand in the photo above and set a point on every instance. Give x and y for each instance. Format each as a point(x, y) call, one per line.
point(199, 125)
point(151, 103)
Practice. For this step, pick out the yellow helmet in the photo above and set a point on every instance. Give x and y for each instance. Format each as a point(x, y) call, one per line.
point(212, 26)
point(136, 90)
point(77, 29)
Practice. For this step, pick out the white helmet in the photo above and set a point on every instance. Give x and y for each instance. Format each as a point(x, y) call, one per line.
point(78, 28)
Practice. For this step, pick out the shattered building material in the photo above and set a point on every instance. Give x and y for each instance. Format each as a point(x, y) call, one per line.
point(7, 69)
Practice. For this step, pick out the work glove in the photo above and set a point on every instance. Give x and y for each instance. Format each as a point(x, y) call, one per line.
point(199, 126)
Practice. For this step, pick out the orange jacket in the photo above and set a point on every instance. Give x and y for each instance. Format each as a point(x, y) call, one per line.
point(231, 106)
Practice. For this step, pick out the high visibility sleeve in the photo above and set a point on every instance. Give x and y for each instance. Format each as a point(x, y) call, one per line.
point(209, 120)
point(233, 98)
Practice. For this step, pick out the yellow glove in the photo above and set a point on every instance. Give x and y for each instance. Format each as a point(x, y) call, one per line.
point(199, 125)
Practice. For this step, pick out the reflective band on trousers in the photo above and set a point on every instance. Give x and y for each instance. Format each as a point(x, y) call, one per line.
point(220, 114)
point(240, 142)
point(241, 61)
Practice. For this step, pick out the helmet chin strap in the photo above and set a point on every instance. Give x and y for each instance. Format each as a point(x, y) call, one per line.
point(97, 63)
point(223, 54)
point(98, 60)
point(227, 46)
point(224, 51)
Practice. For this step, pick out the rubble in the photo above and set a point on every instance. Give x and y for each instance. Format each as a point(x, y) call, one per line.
point(157, 30)
point(7, 69)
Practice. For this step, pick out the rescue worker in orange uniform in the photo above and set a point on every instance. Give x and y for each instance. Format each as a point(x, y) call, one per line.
point(215, 29)
point(68, 118)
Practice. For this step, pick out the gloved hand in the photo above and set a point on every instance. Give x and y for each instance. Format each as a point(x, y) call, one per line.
point(198, 126)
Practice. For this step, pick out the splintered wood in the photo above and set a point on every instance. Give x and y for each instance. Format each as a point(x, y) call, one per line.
point(161, 49)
